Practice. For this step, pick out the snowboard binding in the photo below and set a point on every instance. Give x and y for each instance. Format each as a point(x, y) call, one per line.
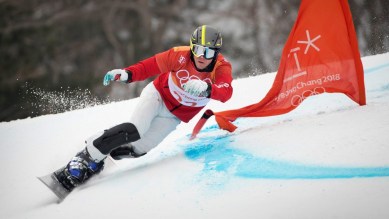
point(78, 170)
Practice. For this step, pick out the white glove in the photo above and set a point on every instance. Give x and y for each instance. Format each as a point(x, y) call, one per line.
point(195, 87)
point(115, 75)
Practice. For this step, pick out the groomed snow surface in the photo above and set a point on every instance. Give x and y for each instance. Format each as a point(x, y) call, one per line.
point(329, 158)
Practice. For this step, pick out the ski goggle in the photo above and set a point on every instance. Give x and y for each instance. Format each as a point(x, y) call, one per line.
point(204, 51)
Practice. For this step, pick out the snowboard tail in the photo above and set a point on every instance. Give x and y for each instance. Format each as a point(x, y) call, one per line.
point(55, 186)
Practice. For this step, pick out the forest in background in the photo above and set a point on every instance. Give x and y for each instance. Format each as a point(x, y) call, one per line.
point(54, 54)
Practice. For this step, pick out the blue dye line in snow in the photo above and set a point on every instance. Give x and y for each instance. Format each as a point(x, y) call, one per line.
point(218, 157)
point(376, 68)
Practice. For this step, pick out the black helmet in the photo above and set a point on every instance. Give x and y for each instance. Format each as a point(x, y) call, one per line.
point(207, 36)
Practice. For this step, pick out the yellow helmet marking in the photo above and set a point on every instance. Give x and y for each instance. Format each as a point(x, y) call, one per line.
point(203, 35)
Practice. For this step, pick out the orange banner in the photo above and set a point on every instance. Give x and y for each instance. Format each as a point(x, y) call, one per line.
point(320, 55)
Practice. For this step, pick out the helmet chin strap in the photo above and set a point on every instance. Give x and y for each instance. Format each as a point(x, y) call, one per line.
point(209, 68)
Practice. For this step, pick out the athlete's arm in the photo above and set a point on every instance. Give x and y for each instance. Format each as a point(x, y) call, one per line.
point(144, 69)
point(222, 89)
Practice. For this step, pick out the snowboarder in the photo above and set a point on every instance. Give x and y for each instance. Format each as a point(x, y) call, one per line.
point(188, 77)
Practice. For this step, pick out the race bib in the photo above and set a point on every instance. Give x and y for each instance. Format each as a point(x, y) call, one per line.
point(175, 82)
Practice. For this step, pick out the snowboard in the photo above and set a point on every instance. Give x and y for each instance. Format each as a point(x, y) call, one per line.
point(54, 185)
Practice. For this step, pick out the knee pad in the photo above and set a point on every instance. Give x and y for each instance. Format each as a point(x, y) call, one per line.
point(115, 137)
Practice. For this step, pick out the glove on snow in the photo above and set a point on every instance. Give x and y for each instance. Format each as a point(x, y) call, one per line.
point(117, 75)
point(197, 88)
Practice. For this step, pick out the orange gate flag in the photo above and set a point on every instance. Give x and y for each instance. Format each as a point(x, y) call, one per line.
point(320, 55)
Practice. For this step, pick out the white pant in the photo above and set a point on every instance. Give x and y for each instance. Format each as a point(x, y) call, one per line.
point(152, 120)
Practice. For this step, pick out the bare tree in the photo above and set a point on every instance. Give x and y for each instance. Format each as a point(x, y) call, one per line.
point(60, 44)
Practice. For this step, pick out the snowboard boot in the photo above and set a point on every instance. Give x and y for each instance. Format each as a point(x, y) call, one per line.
point(78, 170)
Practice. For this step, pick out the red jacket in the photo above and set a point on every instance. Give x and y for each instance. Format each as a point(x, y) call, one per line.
point(174, 68)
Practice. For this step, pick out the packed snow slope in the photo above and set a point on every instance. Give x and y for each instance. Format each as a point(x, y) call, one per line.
point(329, 158)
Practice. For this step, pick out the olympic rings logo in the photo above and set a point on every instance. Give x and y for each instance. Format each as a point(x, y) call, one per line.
point(183, 76)
point(297, 99)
